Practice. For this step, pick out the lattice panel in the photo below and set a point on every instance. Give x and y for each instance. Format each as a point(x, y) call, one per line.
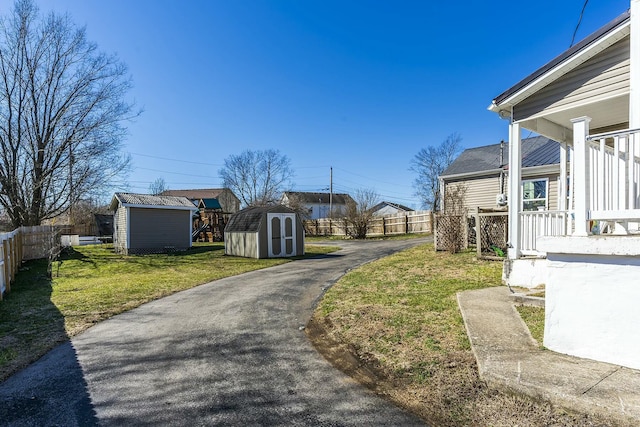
point(492, 234)
point(450, 234)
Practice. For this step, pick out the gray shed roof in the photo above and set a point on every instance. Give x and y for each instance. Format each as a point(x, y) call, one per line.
point(250, 219)
point(147, 200)
point(536, 151)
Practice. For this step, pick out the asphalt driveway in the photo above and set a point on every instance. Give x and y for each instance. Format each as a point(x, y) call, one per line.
point(231, 352)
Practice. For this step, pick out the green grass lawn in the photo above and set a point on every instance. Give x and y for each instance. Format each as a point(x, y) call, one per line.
point(92, 283)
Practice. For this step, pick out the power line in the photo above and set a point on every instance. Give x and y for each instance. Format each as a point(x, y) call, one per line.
point(584, 6)
point(176, 160)
point(372, 179)
point(177, 173)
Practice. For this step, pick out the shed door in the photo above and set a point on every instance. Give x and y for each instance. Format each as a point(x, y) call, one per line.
point(281, 233)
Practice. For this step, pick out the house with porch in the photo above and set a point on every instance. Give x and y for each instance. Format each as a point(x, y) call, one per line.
point(587, 252)
point(483, 172)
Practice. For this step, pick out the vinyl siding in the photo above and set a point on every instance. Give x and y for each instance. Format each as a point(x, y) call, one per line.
point(120, 230)
point(241, 244)
point(159, 228)
point(481, 192)
point(229, 202)
point(605, 75)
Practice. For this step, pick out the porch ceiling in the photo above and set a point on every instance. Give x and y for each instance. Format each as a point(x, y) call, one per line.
point(606, 115)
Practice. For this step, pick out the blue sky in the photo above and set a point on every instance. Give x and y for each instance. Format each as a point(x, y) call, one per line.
point(360, 86)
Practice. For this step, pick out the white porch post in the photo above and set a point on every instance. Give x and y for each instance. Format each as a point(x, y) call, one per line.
point(581, 174)
point(562, 185)
point(514, 198)
point(634, 67)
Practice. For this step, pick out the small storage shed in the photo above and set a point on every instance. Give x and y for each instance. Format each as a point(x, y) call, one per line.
point(151, 224)
point(264, 232)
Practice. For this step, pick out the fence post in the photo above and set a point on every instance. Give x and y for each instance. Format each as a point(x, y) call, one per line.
point(406, 224)
point(478, 235)
point(7, 266)
point(14, 249)
point(20, 243)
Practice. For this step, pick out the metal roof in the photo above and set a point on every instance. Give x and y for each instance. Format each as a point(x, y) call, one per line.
point(209, 204)
point(147, 200)
point(536, 151)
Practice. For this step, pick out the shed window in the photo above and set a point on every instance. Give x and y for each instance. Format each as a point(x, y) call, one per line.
point(534, 194)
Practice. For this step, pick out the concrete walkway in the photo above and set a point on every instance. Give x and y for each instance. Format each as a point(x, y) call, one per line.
point(509, 357)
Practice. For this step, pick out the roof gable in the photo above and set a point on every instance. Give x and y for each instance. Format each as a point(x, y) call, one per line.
point(397, 206)
point(563, 63)
point(209, 204)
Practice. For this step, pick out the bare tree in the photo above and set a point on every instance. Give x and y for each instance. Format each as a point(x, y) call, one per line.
point(257, 177)
point(295, 202)
point(359, 213)
point(453, 219)
point(429, 164)
point(157, 186)
point(61, 113)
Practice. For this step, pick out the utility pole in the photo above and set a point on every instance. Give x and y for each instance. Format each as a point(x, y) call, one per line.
point(330, 191)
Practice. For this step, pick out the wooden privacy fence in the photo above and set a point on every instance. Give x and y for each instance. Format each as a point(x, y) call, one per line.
point(404, 223)
point(23, 244)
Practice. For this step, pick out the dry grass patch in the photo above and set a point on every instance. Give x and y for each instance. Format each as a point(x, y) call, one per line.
point(533, 317)
point(399, 318)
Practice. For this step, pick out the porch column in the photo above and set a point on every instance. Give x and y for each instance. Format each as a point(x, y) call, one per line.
point(562, 189)
point(581, 175)
point(515, 195)
point(634, 67)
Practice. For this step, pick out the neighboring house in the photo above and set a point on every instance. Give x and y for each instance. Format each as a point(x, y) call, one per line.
point(317, 205)
point(151, 224)
point(264, 232)
point(388, 208)
point(588, 100)
point(483, 172)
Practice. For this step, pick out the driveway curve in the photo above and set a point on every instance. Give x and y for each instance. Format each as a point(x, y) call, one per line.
point(230, 352)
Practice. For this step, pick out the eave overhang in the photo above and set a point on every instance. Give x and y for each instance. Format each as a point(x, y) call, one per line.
point(595, 43)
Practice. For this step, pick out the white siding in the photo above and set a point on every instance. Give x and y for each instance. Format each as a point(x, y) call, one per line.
point(120, 230)
point(481, 192)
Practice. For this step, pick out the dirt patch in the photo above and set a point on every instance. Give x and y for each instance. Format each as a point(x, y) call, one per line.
point(452, 395)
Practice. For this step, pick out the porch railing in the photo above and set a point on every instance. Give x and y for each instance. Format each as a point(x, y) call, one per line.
point(541, 223)
point(614, 174)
